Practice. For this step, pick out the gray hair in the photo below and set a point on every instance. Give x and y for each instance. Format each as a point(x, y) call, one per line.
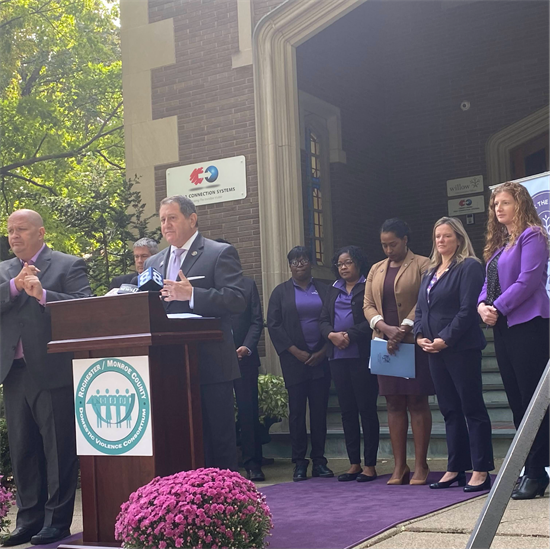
point(186, 205)
point(147, 243)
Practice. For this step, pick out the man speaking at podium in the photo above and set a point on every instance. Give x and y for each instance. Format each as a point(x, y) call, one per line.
point(38, 390)
point(217, 290)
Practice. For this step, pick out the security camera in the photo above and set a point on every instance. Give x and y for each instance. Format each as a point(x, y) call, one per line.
point(465, 105)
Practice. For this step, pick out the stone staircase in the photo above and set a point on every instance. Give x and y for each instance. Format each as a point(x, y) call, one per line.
point(493, 394)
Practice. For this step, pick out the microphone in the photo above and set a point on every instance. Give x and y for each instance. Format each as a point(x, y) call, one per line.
point(150, 280)
point(127, 289)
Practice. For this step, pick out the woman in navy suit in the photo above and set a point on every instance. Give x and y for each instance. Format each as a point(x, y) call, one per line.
point(293, 323)
point(447, 328)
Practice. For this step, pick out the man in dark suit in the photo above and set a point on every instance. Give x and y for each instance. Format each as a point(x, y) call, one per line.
point(247, 329)
point(217, 291)
point(38, 391)
point(144, 248)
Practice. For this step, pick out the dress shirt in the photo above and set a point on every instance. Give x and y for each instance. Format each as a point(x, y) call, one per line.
point(176, 260)
point(343, 319)
point(14, 293)
point(309, 305)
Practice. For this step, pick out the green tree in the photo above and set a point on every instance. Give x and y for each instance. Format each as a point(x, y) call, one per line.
point(60, 100)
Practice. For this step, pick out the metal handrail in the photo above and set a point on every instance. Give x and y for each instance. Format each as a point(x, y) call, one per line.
point(489, 519)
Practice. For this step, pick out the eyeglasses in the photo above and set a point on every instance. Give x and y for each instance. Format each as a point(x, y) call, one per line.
point(347, 263)
point(299, 262)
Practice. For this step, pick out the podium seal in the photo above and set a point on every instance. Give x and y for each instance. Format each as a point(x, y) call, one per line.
point(112, 406)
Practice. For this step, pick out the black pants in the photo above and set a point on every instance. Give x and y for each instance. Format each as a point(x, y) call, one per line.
point(522, 354)
point(314, 391)
point(357, 392)
point(458, 385)
point(41, 432)
point(218, 426)
point(246, 394)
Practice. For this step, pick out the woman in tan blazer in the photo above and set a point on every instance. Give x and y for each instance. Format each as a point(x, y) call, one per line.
point(391, 292)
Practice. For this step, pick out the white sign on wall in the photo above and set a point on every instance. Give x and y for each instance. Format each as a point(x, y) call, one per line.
point(112, 406)
point(465, 185)
point(466, 205)
point(209, 182)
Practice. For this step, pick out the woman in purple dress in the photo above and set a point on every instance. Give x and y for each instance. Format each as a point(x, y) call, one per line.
point(515, 302)
point(391, 292)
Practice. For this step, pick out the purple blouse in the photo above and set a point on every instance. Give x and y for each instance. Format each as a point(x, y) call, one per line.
point(309, 305)
point(343, 319)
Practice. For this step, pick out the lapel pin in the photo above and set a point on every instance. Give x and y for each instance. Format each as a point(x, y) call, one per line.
point(194, 253)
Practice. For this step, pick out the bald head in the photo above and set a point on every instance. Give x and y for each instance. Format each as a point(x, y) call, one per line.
point(25, 233)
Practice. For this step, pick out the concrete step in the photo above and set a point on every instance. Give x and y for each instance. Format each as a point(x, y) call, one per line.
point(502, 435)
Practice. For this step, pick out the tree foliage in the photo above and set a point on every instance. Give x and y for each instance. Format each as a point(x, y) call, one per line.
point(61, 134)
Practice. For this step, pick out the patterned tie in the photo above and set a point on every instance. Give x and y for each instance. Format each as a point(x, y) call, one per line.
point(176, 263)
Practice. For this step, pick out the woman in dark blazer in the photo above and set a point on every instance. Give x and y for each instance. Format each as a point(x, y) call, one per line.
point(514, 300)
point(348, 334)
point(293, 323)
point(447, 328)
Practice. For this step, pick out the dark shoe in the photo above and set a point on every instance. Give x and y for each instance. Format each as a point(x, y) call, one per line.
point(361, 477)
point(19, 536)
point(255, 474)
point(267, 461)
point(485, 485)
point(346, 477)
point(530, 488)
point(460, 478)
point(48, 535)
point(300, 473)
point(322, 471)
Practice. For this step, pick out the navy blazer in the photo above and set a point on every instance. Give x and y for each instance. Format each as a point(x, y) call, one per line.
point(451, 313)
point(360, 332)
point(285, 330)
point(248, 325)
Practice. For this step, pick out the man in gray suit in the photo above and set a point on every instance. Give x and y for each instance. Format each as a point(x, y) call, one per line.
point(38, 391)
point(217, 291)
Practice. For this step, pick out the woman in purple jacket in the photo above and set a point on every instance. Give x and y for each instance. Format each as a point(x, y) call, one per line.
point(515, 302)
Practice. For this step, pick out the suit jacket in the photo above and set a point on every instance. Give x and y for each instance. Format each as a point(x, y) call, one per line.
point(118, 281)
point(63, 277)
point(285, 330)
point(451, 313)
point(360, 332)
point(220, 293)
point(407, 283)
point(523, 274)
point(248, 325)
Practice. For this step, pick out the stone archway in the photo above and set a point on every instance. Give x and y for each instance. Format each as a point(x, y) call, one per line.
point(276, 37)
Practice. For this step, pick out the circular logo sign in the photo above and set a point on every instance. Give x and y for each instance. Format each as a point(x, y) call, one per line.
point(112, 406)
point(542, 204)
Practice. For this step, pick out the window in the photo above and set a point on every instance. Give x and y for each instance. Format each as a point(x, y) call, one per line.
point(314, 198)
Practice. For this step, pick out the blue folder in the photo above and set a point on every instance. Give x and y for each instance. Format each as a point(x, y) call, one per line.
point(401, 364)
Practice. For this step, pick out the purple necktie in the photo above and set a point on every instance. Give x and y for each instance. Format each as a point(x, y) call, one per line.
point(19, 347)
point(176, 263)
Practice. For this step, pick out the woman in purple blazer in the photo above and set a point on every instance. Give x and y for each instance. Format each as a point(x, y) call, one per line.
point(515, 302)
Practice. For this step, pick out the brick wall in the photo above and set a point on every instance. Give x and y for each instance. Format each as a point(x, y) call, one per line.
point(399, 71)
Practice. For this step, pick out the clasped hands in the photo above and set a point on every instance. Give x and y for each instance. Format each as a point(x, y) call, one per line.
point(395, 334)
point(27, 281)
point(309, 359)
point(488, 314)
point(430, 346)
point(180, 290)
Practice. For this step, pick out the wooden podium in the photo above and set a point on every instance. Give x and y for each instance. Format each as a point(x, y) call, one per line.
point(137, 325)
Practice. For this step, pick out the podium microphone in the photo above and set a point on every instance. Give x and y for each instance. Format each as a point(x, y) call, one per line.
point(150, 280)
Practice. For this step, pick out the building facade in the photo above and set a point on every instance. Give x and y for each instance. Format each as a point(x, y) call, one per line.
point(348, 112)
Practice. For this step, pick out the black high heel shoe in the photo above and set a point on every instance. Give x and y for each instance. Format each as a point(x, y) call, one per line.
point(485, 485)
point(460, 478)
point(530, 488)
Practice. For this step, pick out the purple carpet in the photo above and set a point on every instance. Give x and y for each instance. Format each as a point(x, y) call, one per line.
point(336, 515)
